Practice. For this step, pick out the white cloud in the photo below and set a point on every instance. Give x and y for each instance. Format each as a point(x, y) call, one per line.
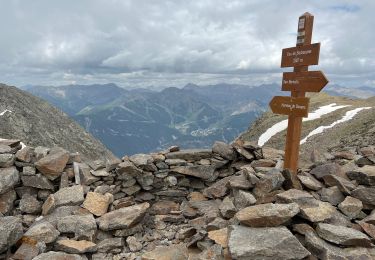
point(105, 40)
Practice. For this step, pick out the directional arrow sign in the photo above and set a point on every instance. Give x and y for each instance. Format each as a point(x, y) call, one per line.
point(301, 55)
point(297, 106)
point(309, 81)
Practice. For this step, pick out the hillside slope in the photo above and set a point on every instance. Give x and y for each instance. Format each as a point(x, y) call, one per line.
point(35, 122)
point(357, 131)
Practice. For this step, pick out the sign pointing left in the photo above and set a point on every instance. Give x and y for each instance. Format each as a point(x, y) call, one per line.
point(296, 106)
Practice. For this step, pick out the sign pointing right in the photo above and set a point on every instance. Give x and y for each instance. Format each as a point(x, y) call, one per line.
point(308, 81)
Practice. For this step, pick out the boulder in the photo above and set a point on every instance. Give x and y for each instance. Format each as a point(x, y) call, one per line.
point(273, 243)
point(6, 160)
point(52, 255)
point(243, 198)
point(204, 172)
point(364, 175)
point(244, 152)
point(127, 168)
point(190, 154)
point(224, 150)
point(141, 159)
point(302, 198)
point(75, 247)
point(217, 190)
point(5, 149)
point(310, 182)
point(42, 232)
point(80, 225)
point(324, 250)
point(6, 201)
point(227, 208)
point(25, 154)
point(326, 169)
point(53, 164)
point(65, 196)
point(370, 218)
point(123, 217)
point(267, 215)
point(9, 177)
point(342, 235)
point(38, 181)
point(146, 179)
point(100, 173)
point(220, 236)
point(164, 207)
point(109, 244)
point(344, 155)
point(27, 251)
point(332, 195)
point(364, 194)
point(323, 211)
point(351, 207)
point(133, 244)
point(11, 231)
point(271, 181)
point(30, 205)
point(343, 184)
point(172, 252)
point(174, 162)
point(97, 203)
point(368, 228)
point(242, 180)
point(263, 163)
point(83, 172)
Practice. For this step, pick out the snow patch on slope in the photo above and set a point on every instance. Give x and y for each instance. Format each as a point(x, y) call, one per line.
point(281, 126)
point(348, 116)
point(6, 110)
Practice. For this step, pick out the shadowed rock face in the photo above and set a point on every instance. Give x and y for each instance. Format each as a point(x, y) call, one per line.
point(36, 123)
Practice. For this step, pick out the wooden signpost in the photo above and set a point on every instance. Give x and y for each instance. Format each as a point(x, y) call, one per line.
point(298, 82)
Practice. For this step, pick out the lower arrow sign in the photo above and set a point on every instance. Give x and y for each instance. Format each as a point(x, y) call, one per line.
point(297, 106)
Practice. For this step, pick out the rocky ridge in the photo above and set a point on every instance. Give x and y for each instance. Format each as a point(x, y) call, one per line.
point(37, 123)
point(233, 201)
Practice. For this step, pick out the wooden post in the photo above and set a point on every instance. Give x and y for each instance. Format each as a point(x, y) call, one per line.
point(298, 82)
point(305, 27)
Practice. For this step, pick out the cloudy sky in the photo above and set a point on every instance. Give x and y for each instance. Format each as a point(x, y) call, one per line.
point(170, 43)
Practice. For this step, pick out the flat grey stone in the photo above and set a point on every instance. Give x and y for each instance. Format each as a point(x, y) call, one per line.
point(123, 217)
point(43, 232)
point(272, 243)
point(342, 235)
point(190, 154)
point(9, 177)
point(11, 231)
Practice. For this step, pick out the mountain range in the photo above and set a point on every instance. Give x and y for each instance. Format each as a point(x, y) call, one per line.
point(142, 120)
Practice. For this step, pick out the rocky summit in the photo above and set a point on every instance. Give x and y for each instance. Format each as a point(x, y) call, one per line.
point(233, 201)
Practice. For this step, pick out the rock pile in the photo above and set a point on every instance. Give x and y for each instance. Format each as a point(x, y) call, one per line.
point(229, 202)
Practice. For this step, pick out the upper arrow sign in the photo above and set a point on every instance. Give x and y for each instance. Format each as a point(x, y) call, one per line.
point(297, 106)
point(301, 55)
point(309, 81)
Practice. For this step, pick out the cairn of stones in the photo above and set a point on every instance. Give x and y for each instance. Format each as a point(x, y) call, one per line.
point(233, 201)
